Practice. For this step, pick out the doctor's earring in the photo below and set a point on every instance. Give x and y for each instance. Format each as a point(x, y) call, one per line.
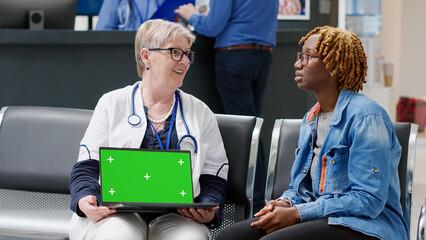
point(147, 68)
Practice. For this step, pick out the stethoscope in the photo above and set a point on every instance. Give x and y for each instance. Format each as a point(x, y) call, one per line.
point(135, 120)
point(123, 6)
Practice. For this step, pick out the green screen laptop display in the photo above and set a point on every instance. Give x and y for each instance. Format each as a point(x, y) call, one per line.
point(145, 176)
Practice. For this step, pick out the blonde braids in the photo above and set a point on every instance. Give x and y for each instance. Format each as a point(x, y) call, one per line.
point(342, 53)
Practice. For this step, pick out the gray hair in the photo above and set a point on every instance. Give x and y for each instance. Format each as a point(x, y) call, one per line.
point(157, 33)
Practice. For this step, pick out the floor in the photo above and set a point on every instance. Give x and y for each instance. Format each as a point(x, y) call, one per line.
point(419, 184)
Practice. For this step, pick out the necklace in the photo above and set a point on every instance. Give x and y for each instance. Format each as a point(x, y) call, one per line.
point(167, 115)
point(324, 116)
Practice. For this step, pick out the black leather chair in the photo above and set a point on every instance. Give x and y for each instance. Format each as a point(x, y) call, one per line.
point(240, 135)
point(284, 142)
point(38, 148)
point(407, 137)
point(285, 135)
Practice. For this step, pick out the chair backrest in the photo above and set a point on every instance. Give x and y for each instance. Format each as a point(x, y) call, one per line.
point(285, 135)
point(240, 135)
point(407, 137)
point(284, 142)
point(38, 148)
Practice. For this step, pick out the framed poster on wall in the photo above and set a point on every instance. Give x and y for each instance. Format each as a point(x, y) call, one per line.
point(294, 9)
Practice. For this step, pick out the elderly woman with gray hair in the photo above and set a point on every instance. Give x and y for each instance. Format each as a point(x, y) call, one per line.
point(152, 114)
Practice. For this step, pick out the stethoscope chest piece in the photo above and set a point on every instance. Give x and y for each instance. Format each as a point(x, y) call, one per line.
point(134, 119)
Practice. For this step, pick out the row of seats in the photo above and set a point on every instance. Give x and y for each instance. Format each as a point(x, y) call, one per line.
point(39, 146)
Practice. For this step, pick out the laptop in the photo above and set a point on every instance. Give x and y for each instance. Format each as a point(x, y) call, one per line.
point(147, 180)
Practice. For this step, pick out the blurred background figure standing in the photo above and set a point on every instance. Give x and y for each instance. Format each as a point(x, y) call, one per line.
point(126, 14)
point(245, 32)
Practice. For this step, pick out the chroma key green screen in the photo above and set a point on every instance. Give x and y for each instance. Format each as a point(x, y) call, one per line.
point(156, 176)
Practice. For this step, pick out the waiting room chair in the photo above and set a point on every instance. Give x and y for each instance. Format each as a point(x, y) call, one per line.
point(285, 135)
point(407, 137)
point(38, 148)
point(240, 135)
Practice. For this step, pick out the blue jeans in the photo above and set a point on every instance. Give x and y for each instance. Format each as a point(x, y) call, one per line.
point(317, 229)
point(241, 77)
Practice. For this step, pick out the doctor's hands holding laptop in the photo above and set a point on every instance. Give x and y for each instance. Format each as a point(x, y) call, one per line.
point(88, 205)
point(139, 180)
point(199, 215)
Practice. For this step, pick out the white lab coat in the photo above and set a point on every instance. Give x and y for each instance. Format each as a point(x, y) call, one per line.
point(109, 127)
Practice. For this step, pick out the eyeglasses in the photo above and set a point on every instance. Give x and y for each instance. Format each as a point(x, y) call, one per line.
point(177, 53)
point(304, 57)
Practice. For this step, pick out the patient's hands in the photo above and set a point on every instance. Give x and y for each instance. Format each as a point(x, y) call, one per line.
point(199, 215)
point(89, 207)
point(276, 215)
point(270, 205)
point(279, 218)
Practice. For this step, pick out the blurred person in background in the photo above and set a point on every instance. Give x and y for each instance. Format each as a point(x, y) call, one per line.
point(245, 32)
point(126, 14)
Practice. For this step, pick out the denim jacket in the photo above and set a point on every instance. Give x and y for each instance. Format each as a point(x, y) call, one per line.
point(356, 180)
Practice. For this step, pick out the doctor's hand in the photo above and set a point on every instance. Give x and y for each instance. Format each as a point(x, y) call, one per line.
point(278, 218)
point(199, 215)
point(89, 207)
point(186, 11)
point(270, 205)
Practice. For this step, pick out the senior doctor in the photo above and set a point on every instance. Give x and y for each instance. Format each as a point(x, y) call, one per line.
point(152, 114)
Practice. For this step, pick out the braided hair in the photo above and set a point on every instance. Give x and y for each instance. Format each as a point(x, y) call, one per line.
point(342, 53)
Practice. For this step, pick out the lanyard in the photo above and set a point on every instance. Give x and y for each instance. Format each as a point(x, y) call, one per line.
point(170, 127)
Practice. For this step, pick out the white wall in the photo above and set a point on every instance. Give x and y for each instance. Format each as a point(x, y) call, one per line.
point(403, 38)
point(391, 36)
point(413, 49)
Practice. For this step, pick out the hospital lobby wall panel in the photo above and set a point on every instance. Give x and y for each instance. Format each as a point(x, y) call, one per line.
point(74, 69)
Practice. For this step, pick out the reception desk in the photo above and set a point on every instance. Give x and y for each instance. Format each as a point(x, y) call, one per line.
point(73, 69)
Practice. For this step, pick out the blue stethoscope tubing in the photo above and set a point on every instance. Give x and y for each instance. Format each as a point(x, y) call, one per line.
point(135, 120)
